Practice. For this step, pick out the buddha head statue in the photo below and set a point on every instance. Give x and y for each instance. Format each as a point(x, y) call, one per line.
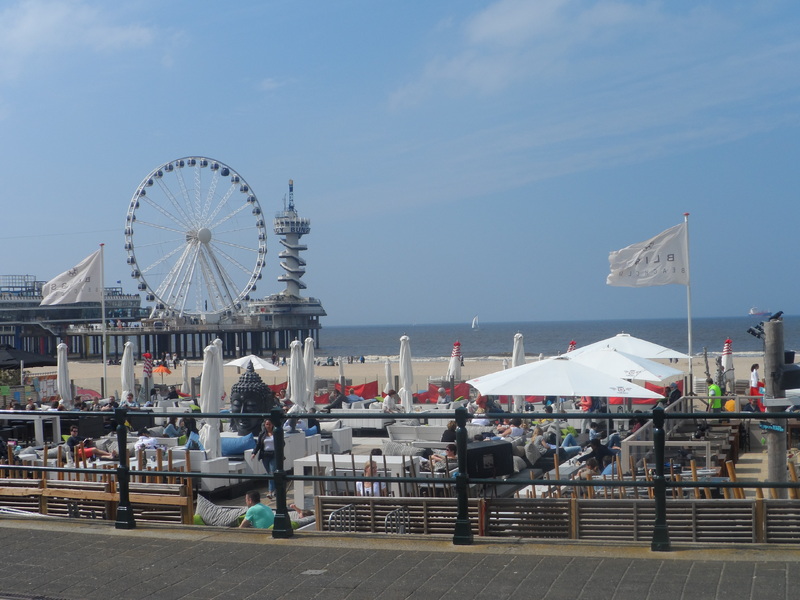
point(250, 395)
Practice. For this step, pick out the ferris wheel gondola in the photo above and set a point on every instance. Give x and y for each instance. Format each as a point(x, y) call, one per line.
point(195, 238)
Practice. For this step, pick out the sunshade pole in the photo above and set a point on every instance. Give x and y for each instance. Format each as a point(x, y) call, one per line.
point(688, 300)
point(103, 310)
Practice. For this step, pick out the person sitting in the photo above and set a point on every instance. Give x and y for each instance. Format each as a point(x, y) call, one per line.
point(337, 400)
point(569, 445)
point(480, 418)
point(258, 516)
point(371, 488)
point(598, 452)
point(129, 401)
point(89, 450)
point(172, 430)
point(513, 430)
point(442, 398)
point(353, 397)
point(193, 435)
point(447, 463)
point(173, 393)
point(392, 402)
point(674, 394)
point(449, 434)
point(586, 473)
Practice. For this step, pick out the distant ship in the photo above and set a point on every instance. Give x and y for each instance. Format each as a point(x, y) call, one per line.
point(756, 312)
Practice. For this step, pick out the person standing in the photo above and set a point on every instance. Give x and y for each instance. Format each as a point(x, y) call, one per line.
point(715, 395)
point(265, 451)
point(755, 386)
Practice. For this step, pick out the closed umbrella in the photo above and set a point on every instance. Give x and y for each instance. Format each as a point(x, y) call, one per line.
point(340, 362)
point(505, 363)
point(308, 363)
point(558, 376)
point(186, 385)
point(256, 361)
point(454, 368)
point(406, 390)
point(211, 390)
point(63, 386)
point(220, 366)
point(128, 378)
point(727, 367)
point(517, 360)
point(297, 392)
point(387, 366)
point(626, 366)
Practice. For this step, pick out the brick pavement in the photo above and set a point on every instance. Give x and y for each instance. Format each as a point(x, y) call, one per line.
point(79, 560)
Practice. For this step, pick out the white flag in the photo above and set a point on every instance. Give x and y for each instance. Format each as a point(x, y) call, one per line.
point(82, 283)
point(660, 260)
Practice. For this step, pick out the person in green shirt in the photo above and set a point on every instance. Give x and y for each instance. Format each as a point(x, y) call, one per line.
point(715, 393)
point(258, 516)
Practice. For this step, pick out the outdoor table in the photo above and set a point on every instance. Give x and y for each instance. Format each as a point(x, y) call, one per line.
point(38, 417)
point(394, 464)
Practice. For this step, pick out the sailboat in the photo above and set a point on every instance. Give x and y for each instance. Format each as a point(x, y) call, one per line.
point(475, 322)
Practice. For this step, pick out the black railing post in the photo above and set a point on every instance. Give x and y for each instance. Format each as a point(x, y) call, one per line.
point(660, 541)
point(282, 527)
point(462, 535)
point(125, 518)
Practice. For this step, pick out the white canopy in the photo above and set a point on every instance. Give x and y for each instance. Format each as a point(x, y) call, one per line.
point(257, 361)
point(559, 376)
point(624, 365)
point(625, 342)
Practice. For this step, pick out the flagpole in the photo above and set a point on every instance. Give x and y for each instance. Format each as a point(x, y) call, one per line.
point(689, 300)
point(103, 316)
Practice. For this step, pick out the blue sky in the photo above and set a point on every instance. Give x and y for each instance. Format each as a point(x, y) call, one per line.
point(455, 158)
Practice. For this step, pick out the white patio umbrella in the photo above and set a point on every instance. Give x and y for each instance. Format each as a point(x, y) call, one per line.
point(624, 365)
point(625, 342)
point(454, 367)
point(340, 362)
point(127, 376)
point(727, 367)
point(257, 362)
point(211, 390)
point(63, 386)
point(558, 376)
point(186, 385)
point(220, 366)
point(406, 391)
point(517, 360)
point(505, 364)
point(387, 366)
point(308, 363)
point(296, 391)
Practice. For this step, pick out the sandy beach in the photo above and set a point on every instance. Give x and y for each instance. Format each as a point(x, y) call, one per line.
point(88, 374)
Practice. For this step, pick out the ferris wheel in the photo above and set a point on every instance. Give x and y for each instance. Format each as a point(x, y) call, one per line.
point(195, 238)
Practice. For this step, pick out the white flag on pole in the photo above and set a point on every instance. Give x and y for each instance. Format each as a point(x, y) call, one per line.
point(82, 283)
point(660, 260)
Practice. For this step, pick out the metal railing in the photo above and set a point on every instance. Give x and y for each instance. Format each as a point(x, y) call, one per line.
point(462, 527)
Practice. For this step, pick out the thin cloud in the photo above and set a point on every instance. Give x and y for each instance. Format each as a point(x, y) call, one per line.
point(270, 84)
point(42, 29)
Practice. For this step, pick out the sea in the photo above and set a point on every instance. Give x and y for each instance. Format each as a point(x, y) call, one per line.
point(549, 338)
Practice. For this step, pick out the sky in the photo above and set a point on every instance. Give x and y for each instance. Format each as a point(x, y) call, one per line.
point(456, 158)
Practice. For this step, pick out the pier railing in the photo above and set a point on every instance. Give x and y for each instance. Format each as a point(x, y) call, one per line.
point(768, 520)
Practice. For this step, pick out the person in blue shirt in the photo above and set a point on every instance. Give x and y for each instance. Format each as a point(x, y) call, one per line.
point(258, 516)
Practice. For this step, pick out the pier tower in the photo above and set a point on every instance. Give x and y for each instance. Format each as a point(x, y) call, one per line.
point(289, 225)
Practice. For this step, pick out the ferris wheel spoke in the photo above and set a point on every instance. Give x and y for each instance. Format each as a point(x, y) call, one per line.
point(223, 201)
point(228, 217)
point(175, 218)
point(214, 282)
point(173, 286)
point(161, 259)
point(189, 277)
point(231, 260)
point(172, 274)
point(212, 192)
point(162, 227)
point(189, 220)
point(220, 242)
point(224, 281)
